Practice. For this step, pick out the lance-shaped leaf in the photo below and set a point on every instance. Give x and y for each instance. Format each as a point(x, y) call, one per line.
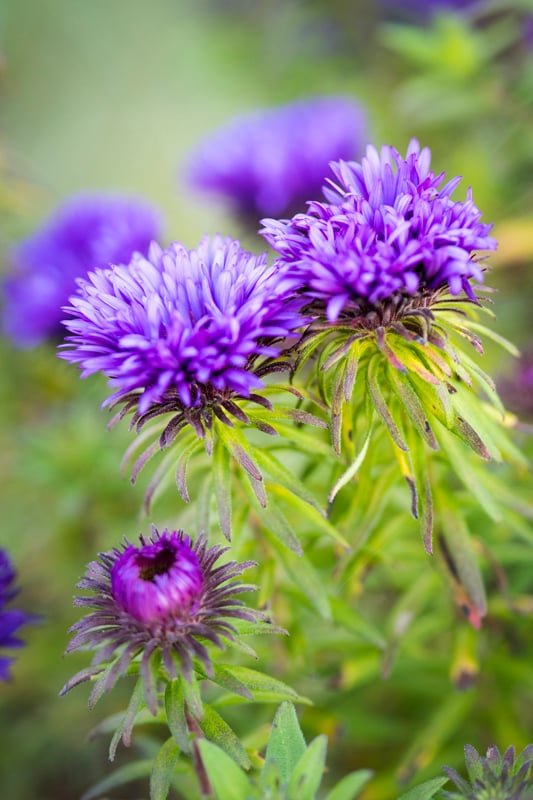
point(286, 745)
point(228, 781)
point(218, 731)
point(306, 776)
point(163, 770)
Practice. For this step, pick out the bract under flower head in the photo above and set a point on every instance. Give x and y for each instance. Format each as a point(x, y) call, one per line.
point(87, 231)
point(389, 230)
point(273, 161)
point(182, 329)
point(10, 619)
point(166, 597)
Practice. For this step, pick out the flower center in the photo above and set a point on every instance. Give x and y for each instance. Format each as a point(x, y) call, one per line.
point(159, 564)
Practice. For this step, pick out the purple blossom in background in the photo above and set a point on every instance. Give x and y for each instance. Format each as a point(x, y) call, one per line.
point(427, 8)
point(516, 388)
point(271, 162)
point(183, 326)
point(166, 596)
point(10, 619)
point(87, 231)
point(388, 230)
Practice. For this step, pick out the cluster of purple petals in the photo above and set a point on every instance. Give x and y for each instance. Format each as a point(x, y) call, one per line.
point(271, 162)
point(10, 619)
point(158, 581)
point(389, 227)
point(181, 320)
point(87, 231)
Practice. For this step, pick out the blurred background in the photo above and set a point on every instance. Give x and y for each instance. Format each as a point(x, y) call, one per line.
point(115, 95)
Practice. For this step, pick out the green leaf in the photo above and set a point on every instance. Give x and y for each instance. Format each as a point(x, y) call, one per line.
point(175, 712)
point(380, 404)
point(426, 791)
point(350, 786)
point(222, 483)
point(284, 477)
point(218, 731)
point(122, 775)
point(352, 469)
point(351, 620)
point(316, 518)
point(228, 780)
point(163, 769)
point(307, 774)
point(125, 727)
point(263, 687)
point(467, 472)
point(411, 402)
point(286, 744)
point(224, 677)
point(305, 577)
point(465, 564)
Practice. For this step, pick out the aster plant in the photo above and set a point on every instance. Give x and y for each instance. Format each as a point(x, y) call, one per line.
point(494, 776)
point(11, 619)
point(188, 336)
point(87, 231)
point(390, 267)
point(273, 161)
point(156, 611)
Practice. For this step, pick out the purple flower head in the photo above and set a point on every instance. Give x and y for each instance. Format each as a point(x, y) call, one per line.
point(87, 231)
point(158, 582)
point(167, 599)
point(388, 230)
point(11, 619)
point(273, 161)
point(180, 330)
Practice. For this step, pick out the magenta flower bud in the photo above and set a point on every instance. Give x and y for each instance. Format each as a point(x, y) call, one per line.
point(157, 605)
point(159, 583)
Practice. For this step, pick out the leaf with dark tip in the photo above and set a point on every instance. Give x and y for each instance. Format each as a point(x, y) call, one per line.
point(411, 402)
point(380, 404)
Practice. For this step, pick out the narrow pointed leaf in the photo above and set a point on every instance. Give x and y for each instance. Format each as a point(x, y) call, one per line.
point(219, 732)
point(349, 787)
point(163, 769)
point(286, 744)
point(227, 779)
point(121, 776)
point(307, 775)
point(426, 791)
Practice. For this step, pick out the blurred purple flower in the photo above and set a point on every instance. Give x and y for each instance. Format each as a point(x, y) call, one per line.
point(181, 330)
point(427, 8)
point(169, 597)
point(516, 388)
point(87, 231)
point(388, 231)
point(11, 619)
point(273, 161)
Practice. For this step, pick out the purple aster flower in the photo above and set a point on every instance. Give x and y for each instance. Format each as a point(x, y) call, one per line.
point(87, 231)
point(10, 619)
point(181, 331)
point(388, 231)
point(165, 599)
point(273, 161)
point(516, 388)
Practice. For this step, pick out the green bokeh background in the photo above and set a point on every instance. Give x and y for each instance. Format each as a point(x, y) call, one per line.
point(114, 94)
